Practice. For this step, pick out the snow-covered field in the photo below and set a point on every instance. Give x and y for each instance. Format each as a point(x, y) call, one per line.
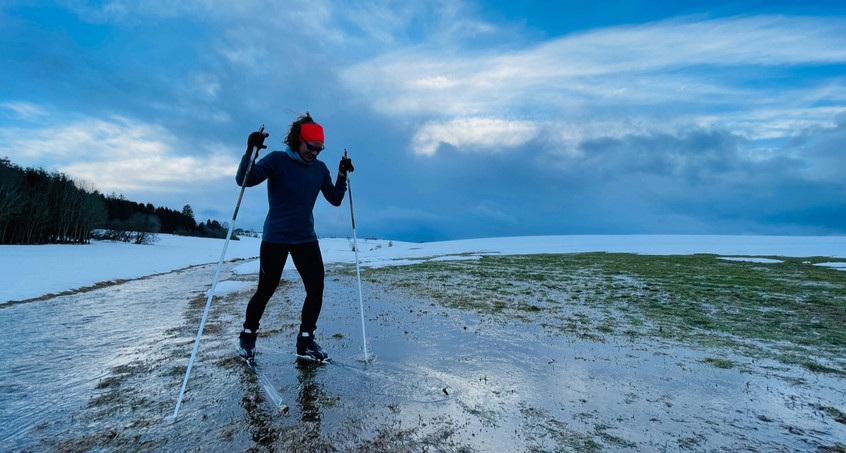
point(34, 271)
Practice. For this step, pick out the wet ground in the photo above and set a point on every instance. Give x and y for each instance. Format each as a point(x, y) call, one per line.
point(100, 371)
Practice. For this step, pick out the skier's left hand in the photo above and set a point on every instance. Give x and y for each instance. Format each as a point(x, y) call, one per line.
point(345, 166)
point(256, 140)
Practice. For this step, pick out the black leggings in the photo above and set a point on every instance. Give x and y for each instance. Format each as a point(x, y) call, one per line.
point(309, 263)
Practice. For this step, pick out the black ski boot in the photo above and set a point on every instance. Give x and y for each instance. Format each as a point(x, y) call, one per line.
point(247, 344)
point(307, 348)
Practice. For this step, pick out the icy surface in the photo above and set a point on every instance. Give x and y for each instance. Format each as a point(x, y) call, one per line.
point(110, 362)
point(101, 369)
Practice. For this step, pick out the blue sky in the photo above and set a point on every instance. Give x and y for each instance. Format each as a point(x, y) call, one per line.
point(463, 119)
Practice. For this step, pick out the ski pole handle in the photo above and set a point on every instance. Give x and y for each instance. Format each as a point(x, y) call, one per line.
point(246, 177)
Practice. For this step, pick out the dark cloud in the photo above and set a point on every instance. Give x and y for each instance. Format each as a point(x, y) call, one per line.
point(693, 157)
point(695, 181)
point(707, 180)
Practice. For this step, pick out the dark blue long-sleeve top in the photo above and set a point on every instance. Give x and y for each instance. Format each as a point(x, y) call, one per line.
point(292, 189)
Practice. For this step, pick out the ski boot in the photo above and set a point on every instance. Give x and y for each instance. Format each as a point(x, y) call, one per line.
point(247, 344)
point(307, 348)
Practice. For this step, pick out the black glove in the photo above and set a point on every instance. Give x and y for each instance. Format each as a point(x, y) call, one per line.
point(345, 166)
point(256, 139)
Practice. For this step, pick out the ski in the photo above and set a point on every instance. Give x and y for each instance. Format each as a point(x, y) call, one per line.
point(426, 390)
point(267, 385)
point(310, 359)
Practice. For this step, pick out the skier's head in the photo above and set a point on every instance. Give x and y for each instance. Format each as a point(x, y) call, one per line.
point(305, 137)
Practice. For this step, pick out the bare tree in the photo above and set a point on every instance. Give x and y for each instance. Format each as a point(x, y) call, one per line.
point(11, 197)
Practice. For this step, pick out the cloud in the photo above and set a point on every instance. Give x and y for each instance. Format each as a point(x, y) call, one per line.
point(115, 153)
point(151, 172)
point(133, 12)
point(86, 139)
point(822, 151)
point(682, 72)
point(491, 214)
point(25, 111)
point(703, 180)
point(473, 134)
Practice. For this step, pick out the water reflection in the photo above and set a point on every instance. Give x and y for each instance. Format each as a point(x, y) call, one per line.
point(310, 394)
point(70, 346)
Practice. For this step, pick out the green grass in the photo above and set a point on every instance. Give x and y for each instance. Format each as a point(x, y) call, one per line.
point(788, 311)
point(719, 363)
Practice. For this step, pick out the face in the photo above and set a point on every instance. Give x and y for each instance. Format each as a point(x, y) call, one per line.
point(309, 150)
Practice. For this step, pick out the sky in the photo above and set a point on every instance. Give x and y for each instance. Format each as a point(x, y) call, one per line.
point(463, 118)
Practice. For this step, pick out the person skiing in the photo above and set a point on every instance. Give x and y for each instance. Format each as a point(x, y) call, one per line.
point(294, 179)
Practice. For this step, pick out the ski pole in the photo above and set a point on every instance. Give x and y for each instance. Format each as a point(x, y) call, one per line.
point(214, 282)
point(357, 269)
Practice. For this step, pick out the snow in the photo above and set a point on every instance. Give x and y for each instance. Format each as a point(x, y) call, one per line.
point(30, 271)
point(251, 267)
point(231, 286)
point(750, 260)
point(33, 271)
point(839, 266)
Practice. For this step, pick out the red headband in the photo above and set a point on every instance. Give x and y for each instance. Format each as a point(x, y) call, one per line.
point(311, 132)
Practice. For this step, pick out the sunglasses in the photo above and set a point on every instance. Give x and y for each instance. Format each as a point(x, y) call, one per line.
point(312, 148)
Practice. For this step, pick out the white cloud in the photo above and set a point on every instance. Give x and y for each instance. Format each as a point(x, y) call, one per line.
point(151, 172)
point(437, 82)
point(473, 134)
point(115, 154)
point(26, 111)
point(206, 85)
point(85, 139)
point(698, 72)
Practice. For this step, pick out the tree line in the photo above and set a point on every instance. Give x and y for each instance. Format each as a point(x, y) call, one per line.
point(40, 207)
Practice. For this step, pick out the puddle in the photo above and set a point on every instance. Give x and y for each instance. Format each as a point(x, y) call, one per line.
point(102, 371)
point(57, 352)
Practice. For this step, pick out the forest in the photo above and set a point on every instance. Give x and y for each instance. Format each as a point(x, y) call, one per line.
point(41, 207)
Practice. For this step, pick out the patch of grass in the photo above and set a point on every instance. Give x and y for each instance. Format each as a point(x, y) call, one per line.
point(87, 443)
point(834, 412)
point(544, 431)
point(104, 398)
point(690, 443)
point(198, 301)
point(605, 328)
point(783, 310)
point(818, 368)
point(178, 370)
point(227, 362)
point(601, 430)
point(720, 363)
point(111, 381)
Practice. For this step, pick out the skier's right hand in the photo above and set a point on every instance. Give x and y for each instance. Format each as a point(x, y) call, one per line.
point(256, 139)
